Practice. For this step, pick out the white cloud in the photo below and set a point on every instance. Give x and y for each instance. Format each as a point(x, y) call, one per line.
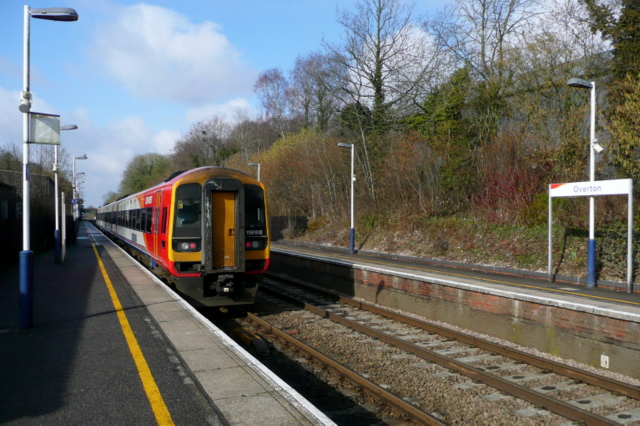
point(226, 110)
point(165, 141)
point(10, 117)
point(109, 150)
point(158, 54)
point(10, 68)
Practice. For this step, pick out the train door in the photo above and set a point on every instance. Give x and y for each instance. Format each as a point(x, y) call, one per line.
point(223, 227)
point(156, 223)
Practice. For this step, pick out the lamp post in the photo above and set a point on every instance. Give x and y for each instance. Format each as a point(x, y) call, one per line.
point(593, 146)
point(56, 234)
point(352, 232)
point(79, 195)
point(256, 165)
point(64, 14)
point(74, 194)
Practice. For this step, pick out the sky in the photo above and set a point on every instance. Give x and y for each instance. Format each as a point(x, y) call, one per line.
point(134, 77)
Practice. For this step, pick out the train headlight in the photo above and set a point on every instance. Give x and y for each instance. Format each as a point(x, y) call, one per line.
point(256, 244)
point(186, 245)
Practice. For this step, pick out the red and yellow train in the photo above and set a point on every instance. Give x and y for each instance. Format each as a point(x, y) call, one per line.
point(205, 231)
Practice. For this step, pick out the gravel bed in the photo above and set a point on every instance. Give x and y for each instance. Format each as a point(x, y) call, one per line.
point(434, 389)
point(445, 394)
point(449, 396)
point(566, 361)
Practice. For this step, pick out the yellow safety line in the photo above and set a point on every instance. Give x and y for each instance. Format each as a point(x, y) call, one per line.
point(474, 277)
point(163, 417)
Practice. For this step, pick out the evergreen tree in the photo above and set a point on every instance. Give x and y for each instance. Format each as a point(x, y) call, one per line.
point(622, 28)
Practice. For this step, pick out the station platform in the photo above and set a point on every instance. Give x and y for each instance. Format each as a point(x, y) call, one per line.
point(110, 344)
point(599, 327)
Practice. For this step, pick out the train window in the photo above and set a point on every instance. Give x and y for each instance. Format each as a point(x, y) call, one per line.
point(255, 220)
point(135, 219)
point(148, 219)
point(164, 220)
point(188, 210)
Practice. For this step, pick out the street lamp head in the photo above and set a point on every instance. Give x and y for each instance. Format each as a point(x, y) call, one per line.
point(344, 145)
point(25, 105)
point(253, 164)
point(84, 157)
point(597, 147)
point(65, 14)
point(69, 127)
point(580, 83)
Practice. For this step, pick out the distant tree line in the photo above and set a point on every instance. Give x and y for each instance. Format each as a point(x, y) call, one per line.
point(40, 166)
point(41, 195)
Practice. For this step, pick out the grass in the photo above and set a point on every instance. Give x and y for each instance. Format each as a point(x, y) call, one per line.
point(469, 240)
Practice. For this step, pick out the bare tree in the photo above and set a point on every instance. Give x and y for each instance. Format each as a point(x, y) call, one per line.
point(315, 90)
point(388, 61)
point(384, 67)
point(243, 133)
point(143, 171)
point(11, 158)
point(273, 91)
point(206, 144)
point(486, 36)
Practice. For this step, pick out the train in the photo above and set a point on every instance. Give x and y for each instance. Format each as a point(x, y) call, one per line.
point(205, 232)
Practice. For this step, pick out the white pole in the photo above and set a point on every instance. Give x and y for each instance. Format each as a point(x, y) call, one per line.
point(550, 249)
point(26, 245)
point(55, 172)
point(353, 179)
point(56, 233)
point(630, 241)
point(64, 228)
point(73, 189)
point(591, 245)
point(26, 255)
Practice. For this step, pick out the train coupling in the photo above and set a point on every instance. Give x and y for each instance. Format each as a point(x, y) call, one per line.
point(224, 284)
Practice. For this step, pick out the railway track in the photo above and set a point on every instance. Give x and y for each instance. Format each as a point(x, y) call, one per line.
point(435, 375)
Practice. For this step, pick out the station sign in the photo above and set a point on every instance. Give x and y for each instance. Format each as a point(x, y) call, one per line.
point(45, 128)
point(591, 188)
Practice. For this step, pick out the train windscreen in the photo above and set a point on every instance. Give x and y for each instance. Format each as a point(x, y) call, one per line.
point(255, 217)
point(188, 210)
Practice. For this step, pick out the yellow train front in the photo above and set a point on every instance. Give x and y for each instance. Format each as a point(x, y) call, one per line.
point(205, 231)
point(219, 236)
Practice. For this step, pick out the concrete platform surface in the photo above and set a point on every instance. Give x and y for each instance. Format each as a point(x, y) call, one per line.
point(79, 364)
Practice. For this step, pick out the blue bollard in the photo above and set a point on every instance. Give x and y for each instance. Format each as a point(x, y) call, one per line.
point(26, 289)
point(591, 263)
point(352, 241)
point(57, 246)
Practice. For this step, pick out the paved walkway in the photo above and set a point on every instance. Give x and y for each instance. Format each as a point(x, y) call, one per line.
point(83, 362)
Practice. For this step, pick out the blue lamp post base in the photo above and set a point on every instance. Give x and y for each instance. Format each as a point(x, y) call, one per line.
point(591, 263)
point(26, 289)
point(352, 240)
point(58, 246)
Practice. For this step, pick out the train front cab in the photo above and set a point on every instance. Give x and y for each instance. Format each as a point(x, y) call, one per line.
point(226, 221)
